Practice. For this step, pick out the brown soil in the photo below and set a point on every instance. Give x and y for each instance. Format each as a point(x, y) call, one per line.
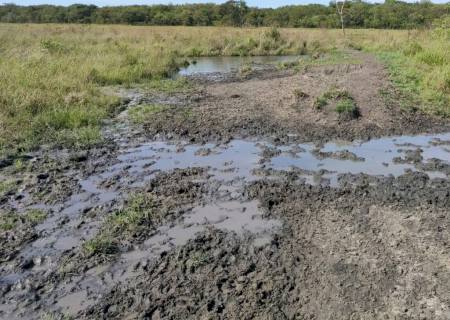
point(268, 104)
point(357, 252)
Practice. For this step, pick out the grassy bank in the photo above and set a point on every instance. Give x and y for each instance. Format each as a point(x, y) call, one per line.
point(418, 62)
point(52, 75)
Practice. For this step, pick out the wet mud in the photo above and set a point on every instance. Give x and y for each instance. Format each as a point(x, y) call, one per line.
point(237, 201)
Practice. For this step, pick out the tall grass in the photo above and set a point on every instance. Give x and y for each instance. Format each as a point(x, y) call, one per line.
point(418, 62)
point(51, 75)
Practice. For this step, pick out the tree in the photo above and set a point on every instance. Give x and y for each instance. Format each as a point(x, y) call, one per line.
point(340, 10)
point(233, 12)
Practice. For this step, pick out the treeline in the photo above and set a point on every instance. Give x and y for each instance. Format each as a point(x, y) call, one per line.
point(391, 14)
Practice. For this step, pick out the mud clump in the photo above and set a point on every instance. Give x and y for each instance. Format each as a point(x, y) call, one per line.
point(340, 155)
point(218, 274)
point(411, 156)
point(167, 197)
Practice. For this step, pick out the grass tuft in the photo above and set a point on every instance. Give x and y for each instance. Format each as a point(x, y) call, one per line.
point(320, 102)
point(11, 220)
point(141, 210)
point(347, 108)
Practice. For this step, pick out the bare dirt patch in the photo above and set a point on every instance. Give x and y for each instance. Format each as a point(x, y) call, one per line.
point(269, 104)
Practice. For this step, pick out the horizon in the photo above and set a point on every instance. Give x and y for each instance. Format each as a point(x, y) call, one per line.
point(113, 3)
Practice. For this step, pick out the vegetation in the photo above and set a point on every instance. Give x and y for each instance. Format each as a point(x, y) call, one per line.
point(10, 220)
point(54, 76)
point(419, 65)
point(347, 108)
point(345, 104)
point(343, 97)
point(6, 186)
point(320, 102)
point(141, 212)
point(357, 14)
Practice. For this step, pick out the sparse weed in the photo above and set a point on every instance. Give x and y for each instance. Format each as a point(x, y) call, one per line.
point(140, 114)
point(344, 102)
point(197, 260)
point(354, 46)
point(141, 211)
point(347, 108)
point(335, 93)
point(35, 216)
point(102, 245)
point(245, 69)
point(7, 186)
point(10, 220)
point(320, 102)
point(299, 94)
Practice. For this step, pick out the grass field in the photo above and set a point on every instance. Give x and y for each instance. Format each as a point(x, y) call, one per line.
point(52, 75)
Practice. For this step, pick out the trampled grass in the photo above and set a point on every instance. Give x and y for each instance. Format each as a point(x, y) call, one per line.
point(52, 75)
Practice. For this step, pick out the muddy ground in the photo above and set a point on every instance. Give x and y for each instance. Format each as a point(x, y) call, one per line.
point(237, 199)
point(279, 104)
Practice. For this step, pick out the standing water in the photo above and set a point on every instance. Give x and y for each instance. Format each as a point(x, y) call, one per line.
point(225, 64)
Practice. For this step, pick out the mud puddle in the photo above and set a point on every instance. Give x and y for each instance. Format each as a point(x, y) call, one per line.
point(379, 157)
point(230, 166)
point(231, 216)
point(223, 64)
point(233, 165)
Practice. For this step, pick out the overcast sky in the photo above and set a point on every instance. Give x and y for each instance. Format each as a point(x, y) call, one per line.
point(252, 3)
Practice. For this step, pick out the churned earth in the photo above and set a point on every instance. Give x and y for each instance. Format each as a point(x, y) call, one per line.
point(247, 196)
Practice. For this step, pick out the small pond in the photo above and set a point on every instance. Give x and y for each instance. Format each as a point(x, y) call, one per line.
point(229, 64)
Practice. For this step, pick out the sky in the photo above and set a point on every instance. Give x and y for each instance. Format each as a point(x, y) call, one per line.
point(252, 3)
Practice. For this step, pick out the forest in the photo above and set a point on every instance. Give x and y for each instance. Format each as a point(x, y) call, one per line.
point(358, 14)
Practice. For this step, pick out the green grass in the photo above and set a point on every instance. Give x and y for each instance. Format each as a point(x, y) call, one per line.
point(342, 96)
point(426, 85)
point(101, 245)
point(168, 85)
point(140, 212)
point(11, 220)
point(419, 66)
point(320, 102)
point(347, 107)
point(7, 186)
